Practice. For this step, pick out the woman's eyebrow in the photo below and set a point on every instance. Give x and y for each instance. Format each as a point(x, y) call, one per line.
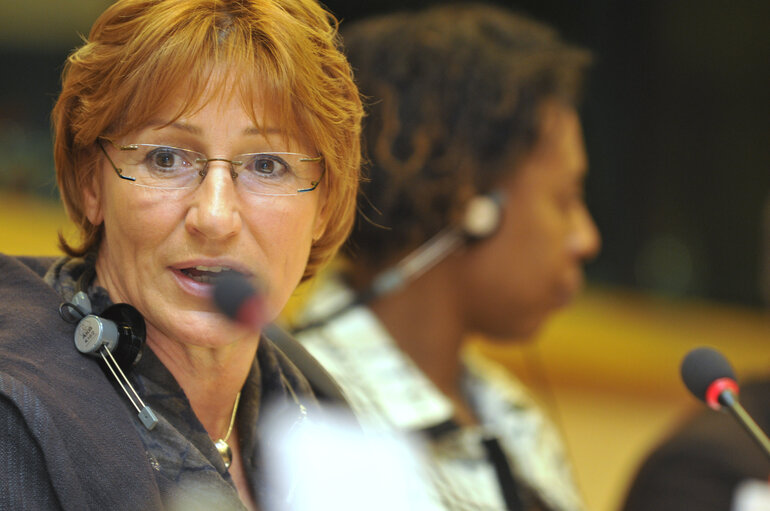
point(160, 124)
point(196, 130)
point(253, 130)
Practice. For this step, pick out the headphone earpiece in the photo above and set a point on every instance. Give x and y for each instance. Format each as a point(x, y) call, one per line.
point(483, 215)
point(131, 333)
point(117, 337)
point(120, 329)
point(481, 219)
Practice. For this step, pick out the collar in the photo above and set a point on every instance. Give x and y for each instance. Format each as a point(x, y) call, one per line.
point(382, 383)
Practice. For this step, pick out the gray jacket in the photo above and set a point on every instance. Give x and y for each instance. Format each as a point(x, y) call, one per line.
point(68, 437)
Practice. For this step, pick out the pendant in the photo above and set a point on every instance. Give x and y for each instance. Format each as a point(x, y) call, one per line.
point(225, 452)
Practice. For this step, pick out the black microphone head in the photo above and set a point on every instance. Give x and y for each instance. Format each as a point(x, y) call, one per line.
point(231, 291)
point(703, 366)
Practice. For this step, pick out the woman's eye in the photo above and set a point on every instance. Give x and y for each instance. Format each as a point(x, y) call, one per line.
point(266, 166)
point(269, 166)
point(168, 159)
point(164, 159)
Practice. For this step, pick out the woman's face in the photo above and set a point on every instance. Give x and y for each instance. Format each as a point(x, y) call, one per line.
point(160, 245)
point(533, 264)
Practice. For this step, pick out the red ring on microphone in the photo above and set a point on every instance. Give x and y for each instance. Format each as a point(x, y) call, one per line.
point(716, 388)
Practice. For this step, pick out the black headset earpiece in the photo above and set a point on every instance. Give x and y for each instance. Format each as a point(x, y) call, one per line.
point(120, 328)
point(116, 336)
point(131, 333)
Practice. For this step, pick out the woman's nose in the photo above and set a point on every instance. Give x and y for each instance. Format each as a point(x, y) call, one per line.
point(215, 210)
point(585, 240)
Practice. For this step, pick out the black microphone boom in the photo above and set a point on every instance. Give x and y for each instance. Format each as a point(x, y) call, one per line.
point(709, 376)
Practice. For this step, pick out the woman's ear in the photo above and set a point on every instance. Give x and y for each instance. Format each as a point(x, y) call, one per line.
point(92, 199)
point(321, 219)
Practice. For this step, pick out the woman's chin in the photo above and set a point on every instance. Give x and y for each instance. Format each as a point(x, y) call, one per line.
point(201, 329)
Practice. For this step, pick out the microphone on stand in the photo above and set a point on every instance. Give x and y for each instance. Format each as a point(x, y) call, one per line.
point(709, 376)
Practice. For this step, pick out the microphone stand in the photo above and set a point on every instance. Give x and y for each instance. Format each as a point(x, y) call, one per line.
point(728, 399)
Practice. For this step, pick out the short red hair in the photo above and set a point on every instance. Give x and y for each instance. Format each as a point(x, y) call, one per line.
point(284, 52)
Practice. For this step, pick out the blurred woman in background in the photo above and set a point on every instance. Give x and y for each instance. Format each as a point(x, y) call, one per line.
point(473, 222)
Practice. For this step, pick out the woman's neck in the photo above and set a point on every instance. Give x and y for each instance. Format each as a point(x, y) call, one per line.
point(426, 321)
point(211, 378)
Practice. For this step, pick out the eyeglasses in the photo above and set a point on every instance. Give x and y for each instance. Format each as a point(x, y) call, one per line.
point(171, 168)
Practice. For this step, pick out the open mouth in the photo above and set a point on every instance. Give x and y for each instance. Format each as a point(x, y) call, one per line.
point(207, 274)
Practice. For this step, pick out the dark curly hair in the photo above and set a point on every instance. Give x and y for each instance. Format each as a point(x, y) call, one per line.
point(454, 93)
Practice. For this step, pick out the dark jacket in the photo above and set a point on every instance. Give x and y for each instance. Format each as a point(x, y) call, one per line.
point(700, 466)
point(68, 439)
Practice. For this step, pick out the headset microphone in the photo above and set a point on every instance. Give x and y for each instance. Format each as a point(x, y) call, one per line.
point(117, 336)
point(708, 375)
point(481, 219)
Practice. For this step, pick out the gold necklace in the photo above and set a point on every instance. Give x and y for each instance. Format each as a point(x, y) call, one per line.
point(222, 446)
